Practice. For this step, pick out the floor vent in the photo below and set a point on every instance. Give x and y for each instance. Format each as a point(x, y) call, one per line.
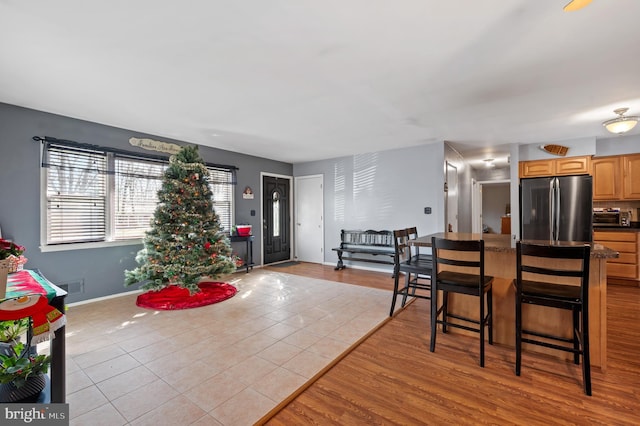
point(72, 287)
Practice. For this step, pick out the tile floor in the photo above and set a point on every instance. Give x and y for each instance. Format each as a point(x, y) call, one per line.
point(222, 364)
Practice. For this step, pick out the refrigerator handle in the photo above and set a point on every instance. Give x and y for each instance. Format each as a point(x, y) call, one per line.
point(552, 212)
point(558, 210)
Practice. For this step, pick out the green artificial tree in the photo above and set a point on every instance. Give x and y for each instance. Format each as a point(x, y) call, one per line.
point(185, 242)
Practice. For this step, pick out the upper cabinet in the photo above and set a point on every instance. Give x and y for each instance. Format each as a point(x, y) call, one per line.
point(573, 165)
point(631, 180)
point(537, 168)
point(607, 184)
point(556, 167)
point(616, 177)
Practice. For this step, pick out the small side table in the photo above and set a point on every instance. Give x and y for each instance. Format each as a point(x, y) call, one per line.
point(248, 256)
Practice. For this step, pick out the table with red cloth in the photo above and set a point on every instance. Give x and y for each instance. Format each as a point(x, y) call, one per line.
point(30, 294)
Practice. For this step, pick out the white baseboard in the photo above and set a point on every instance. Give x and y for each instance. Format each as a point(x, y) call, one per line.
point(98, 299)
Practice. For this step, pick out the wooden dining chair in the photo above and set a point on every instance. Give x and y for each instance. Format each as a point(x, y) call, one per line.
point(414, 269)
point(543, 278)
point(458, 267)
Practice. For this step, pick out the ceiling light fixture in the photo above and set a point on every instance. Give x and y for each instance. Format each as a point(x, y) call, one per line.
point(489, 162)
point(622, 123)
point(575, 5)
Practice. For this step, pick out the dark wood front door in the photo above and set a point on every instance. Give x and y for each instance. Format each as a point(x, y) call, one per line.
point(275, 207)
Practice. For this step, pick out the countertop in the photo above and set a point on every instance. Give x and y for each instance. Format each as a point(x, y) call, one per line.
point(503, 243)
point(616, 229)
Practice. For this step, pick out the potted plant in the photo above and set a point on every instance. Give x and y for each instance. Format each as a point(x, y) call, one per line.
point(12, 252)
point(22, 374)
point(10, 258)
point(10, 333)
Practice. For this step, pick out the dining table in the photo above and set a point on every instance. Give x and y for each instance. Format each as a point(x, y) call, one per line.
point(500, 262)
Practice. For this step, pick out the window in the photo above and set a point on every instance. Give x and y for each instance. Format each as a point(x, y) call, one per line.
point(135, 196)
point(76, 195)
point(100, 196)
point(221, 182)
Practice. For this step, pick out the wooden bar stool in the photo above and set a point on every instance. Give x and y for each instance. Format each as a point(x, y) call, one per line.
point(467, 278)
point(537, 282)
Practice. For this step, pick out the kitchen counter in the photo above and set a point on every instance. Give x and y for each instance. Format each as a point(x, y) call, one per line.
point(616, 229)
point(504, 244)
point(500, 262)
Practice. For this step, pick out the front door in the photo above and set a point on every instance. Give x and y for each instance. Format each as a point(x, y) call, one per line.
point(276, 219)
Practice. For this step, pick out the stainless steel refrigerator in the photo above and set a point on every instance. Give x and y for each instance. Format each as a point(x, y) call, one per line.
point(556, 208)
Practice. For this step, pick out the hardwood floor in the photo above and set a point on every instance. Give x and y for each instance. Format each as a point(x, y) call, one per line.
point(392, 378)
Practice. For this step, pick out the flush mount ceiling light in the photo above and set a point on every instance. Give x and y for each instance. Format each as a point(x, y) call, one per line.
point(576, 5)
point(489, 162)
point(622, 123)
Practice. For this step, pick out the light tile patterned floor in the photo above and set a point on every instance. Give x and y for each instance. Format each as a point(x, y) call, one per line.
point(222, 364)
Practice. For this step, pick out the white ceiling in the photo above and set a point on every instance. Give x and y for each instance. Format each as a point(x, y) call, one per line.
point(302, 80)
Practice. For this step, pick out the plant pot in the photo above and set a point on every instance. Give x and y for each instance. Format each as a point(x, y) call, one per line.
point(27, 393)
point(243, 230)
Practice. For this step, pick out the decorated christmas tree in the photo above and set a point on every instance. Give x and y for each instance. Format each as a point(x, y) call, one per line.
point(185, 242)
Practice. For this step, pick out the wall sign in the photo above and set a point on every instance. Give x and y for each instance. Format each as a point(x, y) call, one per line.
point(151, 145)
point(247, 194)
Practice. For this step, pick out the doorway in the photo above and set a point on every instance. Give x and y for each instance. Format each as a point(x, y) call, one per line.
point(276, 218)
point(451, 201)
point(496, 204)
point(309, 218)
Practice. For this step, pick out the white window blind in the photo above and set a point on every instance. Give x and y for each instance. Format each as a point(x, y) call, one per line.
point(136, 187)
point(222, 182)
point(76, 195)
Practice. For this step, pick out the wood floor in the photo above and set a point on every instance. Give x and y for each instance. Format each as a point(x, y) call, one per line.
point(392, 378)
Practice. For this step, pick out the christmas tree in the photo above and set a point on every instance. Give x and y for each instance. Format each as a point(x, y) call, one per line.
point(185, 242)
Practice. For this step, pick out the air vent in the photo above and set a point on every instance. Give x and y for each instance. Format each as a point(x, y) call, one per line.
point(72, 287)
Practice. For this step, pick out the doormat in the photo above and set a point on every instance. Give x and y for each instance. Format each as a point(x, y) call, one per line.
point(283, 265)
point(175, 297)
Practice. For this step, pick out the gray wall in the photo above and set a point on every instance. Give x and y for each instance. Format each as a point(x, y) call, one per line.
point(618, 145)
point(102, 269)
point(381, 190)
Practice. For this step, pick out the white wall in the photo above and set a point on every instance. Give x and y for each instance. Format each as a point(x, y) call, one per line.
point(381, 190)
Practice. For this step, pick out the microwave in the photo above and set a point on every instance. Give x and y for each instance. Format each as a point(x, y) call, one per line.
point(603, 218)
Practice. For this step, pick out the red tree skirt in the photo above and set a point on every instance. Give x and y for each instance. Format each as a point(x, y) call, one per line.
point(174, 297)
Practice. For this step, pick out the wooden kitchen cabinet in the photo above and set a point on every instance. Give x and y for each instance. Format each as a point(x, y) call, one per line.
point(556, 167)
point(607, 182)
point(573, 166)
point(631, 177)
point(626, 266)
point(537, 168)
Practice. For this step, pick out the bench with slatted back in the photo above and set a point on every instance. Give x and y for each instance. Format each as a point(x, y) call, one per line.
point(377, 245)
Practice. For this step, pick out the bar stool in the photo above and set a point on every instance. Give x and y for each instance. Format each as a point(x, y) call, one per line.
point(414, 269)
point(472, 282)
point(541, 286)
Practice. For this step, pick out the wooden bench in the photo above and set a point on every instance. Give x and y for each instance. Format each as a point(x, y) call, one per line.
point(369, 242)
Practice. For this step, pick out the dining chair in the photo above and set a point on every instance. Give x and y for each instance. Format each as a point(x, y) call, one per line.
point(414, 269)
point(458, 267)
point(415, 250)
point(557, 277)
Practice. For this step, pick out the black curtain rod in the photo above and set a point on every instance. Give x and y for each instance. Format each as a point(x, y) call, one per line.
point(117, 151)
